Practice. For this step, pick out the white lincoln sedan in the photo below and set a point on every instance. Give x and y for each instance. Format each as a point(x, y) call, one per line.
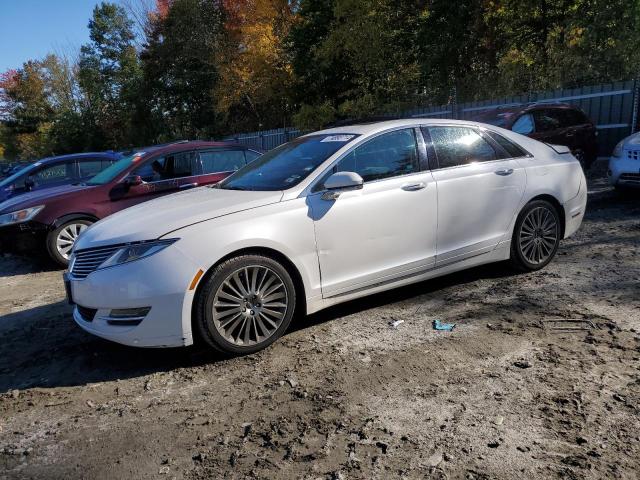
point(326, 218)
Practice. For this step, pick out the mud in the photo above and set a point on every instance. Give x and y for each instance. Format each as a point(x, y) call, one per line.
point(539, 379)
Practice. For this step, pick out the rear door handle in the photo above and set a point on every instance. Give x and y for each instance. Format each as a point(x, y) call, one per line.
point(412, 187)
point(188, 185)
point(505, 172)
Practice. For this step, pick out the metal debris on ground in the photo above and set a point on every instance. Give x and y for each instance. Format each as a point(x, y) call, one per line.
point(568, 325)
point(447, 327)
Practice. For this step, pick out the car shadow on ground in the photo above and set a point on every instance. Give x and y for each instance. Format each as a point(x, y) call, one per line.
point(414, 291)
point(42, 346)
point(12, 264)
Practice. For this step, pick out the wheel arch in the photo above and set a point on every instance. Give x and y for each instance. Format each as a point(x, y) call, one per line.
point(296, 277)
point(556, 203)
point(73, 216)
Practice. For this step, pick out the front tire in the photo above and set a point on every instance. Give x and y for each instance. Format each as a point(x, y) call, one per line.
point(245, 305)
point(61, 240)
point(536, 236)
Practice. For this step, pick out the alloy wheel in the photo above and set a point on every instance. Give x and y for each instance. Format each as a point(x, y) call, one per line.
point(250, 305)
point(538, 235)
point(67, 237)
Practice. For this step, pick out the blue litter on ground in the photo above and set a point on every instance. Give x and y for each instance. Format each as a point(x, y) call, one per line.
point(447, 327)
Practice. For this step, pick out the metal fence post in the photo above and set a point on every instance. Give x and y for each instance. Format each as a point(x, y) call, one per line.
point(636, 102)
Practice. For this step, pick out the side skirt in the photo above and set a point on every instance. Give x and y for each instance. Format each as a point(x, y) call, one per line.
point(500, 253)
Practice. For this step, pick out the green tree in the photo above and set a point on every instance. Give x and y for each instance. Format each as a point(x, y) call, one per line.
point(180, 70)
point(110, 77)
point(358, 55)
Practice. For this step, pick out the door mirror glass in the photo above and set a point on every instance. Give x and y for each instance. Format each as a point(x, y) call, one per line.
point(343, 181)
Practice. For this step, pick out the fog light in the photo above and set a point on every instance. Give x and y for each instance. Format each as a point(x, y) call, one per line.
point(127, 316)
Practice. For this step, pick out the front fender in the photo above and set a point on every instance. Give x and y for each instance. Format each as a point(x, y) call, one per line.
point(285, 227)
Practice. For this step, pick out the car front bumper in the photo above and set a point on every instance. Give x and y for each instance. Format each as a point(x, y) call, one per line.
point(159, 282)
point(22, 236)
point(624, 171)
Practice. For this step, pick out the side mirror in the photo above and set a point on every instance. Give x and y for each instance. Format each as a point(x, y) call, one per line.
point(133, 181)
point(339, 182)
point(29, 183)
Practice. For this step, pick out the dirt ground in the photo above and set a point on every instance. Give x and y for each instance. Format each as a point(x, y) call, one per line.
point(512, 392)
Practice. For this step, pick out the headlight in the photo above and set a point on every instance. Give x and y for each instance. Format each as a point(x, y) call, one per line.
point(136, 251)
point(617, 152)
point(20, 216)
point(634, 139)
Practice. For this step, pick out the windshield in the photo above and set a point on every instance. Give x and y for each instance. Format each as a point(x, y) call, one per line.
point(16, 176)
point(286, 166)
point(110, 173)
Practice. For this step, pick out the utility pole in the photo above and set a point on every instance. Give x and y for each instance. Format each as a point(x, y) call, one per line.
point(636, 101)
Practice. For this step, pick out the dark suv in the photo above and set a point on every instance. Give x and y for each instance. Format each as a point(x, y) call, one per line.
point(55, 171)
point(554, 123)
point(55, 217)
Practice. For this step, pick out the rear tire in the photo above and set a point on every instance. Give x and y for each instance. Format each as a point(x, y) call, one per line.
point(245, 305)
point(536, 236)
point(61, 240)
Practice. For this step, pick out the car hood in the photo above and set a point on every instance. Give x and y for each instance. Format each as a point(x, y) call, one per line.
point(38, 197)
point(155, 218)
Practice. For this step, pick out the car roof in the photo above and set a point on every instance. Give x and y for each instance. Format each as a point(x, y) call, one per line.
point(184, 145)
point(78, 156)
point(492, 111)
point(368, 128)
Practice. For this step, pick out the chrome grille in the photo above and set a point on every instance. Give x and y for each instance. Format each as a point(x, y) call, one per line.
point(630, 178)
point(633, 154)
point(91, 258)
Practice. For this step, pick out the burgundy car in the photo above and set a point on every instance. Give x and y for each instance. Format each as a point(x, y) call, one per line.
point(554, 123)
point(55, 217)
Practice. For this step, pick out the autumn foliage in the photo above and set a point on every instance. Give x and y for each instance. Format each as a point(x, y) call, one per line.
point(208, 68)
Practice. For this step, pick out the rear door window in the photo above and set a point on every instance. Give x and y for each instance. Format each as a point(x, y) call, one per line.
point(214, 161)
point(547, 120)
point(50, 174)
point(572, 118)
point(90, 167)
point(456, 146)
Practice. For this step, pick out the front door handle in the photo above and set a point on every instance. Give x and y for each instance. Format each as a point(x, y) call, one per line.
point(188, 185)
point(505, 172)
point(414, 186)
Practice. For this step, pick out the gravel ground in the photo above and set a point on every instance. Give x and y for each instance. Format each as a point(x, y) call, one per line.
point(540, 379)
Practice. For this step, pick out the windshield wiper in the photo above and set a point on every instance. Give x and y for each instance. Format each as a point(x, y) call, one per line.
point(235, 188)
